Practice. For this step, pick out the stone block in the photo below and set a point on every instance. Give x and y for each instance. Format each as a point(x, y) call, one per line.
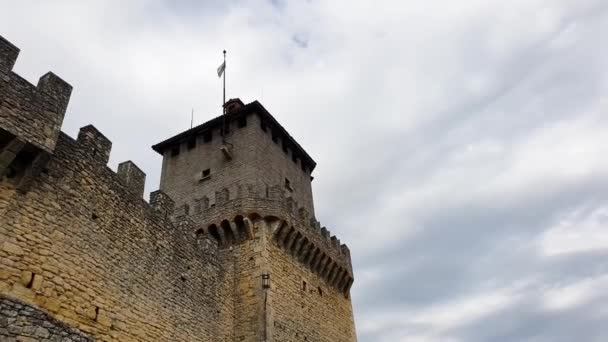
point(12, 248)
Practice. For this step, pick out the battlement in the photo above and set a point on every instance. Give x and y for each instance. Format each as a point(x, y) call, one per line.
point(81, 245)
point(227, 219)
point(32, 113)
point(133, 176)
point(8, 54)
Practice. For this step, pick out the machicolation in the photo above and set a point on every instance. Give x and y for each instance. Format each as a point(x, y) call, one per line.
point(228, 249)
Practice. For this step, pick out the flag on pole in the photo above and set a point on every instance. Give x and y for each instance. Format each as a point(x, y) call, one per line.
point(220, 69)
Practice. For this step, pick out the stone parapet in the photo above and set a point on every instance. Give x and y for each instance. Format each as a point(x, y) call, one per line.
point(33, 113)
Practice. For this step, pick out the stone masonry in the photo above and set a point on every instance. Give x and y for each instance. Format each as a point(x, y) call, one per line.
point(228, 249)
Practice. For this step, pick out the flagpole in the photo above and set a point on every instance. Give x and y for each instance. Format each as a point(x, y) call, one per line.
point(224, 103)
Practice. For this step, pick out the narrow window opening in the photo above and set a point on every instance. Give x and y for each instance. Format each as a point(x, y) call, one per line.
point(242, 122)
point(320, 291)
point(96, 313)
point(175, 151)
point(288, 185)
point(304, 285)
point(205, 174)
point(30, 283)
point(207, 136)
point(191, 143)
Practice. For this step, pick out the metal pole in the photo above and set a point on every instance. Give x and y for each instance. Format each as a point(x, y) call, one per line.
point(224, 103)
point(224, 80)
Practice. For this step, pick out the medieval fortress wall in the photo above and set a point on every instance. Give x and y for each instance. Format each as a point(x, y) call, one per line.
point(83, 257)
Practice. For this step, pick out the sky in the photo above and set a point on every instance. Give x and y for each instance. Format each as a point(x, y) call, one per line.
point(461, 145)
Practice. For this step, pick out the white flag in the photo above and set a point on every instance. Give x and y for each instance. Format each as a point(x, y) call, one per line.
point(220, 69)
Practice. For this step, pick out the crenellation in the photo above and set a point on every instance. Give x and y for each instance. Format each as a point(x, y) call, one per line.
point(162, 203)
point(58, 94)
point(325, 233)
point(233, 253)
point(8, 55)
point(93, 142)
point(335, 242)
point(133, 177)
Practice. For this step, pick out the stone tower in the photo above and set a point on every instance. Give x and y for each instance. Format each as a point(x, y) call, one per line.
point(227, 250)
point(248, 182)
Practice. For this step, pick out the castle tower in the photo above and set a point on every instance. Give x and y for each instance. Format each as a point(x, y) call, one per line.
point(247, 182)
point(227, 250)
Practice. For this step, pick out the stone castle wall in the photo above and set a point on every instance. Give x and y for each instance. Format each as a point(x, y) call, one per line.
point(84, 257)
point(81, 246)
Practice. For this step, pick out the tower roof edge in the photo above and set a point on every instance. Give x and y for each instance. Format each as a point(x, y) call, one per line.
point(252, 107)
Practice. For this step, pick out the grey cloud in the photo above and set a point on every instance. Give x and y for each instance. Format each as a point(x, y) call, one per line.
point(450, 136)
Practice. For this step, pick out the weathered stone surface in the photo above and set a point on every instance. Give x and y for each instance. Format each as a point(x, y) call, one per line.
point(23, 322)
point(234, 254)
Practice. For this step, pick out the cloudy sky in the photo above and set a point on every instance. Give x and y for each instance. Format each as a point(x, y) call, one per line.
point(462, 145)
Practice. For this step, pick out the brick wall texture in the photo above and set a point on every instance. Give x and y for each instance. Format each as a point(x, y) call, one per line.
point(236, 255)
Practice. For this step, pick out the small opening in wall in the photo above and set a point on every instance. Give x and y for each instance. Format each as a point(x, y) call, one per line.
point(191, 143)
point(288, 185)
point(320, 291)
point(11, 173)
point(206, 172)
point(94, 216)
point(207, 136)
point(175, 151)
point(304, 285)
point(242, 122)
point(30, 283)
point(96, 313)
point(183, 278)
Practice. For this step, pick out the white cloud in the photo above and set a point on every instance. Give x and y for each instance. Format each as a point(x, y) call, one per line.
point(576, 294)
point(583, 230)
point(450, 136)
